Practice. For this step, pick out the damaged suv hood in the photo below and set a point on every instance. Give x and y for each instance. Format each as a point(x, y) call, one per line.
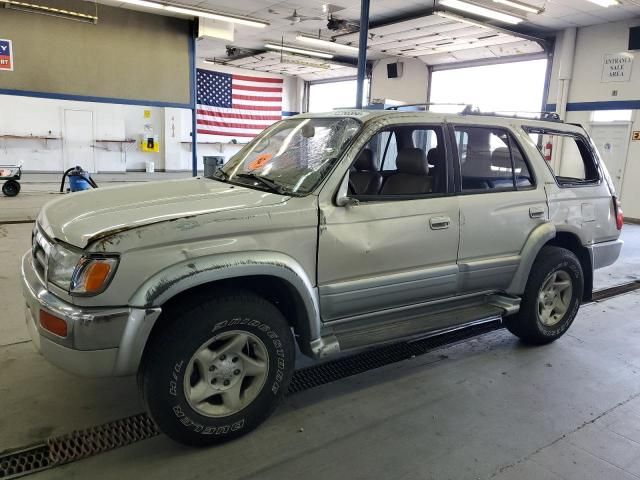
point(82, 217)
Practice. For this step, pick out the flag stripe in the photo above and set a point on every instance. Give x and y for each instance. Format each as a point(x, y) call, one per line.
point(248, 126)
point(250, 88)
point(256, 99)
point(218, 113)
point(258, 79)
point(218, 132)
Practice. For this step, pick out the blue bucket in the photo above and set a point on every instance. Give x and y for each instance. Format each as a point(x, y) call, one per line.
point(78, 183)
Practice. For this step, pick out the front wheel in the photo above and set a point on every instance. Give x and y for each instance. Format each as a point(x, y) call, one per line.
point(551, 298)
point(217, 369)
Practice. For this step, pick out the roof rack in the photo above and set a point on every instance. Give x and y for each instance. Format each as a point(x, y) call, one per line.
point(471, 110)
point(548, 116)
point(425, 105)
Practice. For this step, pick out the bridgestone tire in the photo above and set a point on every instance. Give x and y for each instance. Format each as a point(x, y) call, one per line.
point(179, 337)
point(526, 324)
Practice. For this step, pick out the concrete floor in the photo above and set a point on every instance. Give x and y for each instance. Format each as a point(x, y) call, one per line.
point(486, 408)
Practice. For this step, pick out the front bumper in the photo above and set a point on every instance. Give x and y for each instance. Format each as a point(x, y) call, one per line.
point(99, 342)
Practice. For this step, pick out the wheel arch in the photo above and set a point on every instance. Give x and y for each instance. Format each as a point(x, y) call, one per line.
point(275, 276)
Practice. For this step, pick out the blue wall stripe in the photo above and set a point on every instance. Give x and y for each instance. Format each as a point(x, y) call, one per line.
point(83, 98)
point(607, 105)
point(289, 114)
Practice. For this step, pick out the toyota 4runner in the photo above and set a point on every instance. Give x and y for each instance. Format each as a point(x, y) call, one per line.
point(334, 231)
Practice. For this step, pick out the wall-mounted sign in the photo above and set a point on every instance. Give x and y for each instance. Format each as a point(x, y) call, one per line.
point(616, 67)
point(635, 135)
point(6, 55)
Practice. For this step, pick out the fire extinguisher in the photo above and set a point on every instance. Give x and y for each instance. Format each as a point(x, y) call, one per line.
point(548, 150)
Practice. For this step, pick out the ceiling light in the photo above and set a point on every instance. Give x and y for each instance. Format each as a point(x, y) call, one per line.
point(458, 18)
point(521, 6)
point(247, 21)
point(325, 43)
point(46, 10)
point(605, 3)
point(482, 11)
point(302, 51)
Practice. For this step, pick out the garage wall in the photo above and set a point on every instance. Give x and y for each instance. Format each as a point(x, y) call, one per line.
point(410, 88)
point(28, 116)
point(128, 55)
point(587, 93)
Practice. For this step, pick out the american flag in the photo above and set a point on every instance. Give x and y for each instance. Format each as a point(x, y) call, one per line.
point(235, 106)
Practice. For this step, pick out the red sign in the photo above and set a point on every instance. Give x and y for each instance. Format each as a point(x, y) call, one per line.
point(6, 55)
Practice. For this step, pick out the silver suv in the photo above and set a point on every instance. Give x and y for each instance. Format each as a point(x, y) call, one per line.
point(334, 231)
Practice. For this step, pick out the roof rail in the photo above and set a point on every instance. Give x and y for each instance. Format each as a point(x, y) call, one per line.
point(543, 115)
point(425, 105)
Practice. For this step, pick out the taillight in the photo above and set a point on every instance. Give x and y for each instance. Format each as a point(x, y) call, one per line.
point(617, 209)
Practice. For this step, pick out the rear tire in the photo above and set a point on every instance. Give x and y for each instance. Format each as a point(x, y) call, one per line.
point(11, 188)
point(551, 298)
point(216, 370)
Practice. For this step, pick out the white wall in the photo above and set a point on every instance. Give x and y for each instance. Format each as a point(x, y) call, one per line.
point(25, 116)
point(586, 86)
point(411, 87)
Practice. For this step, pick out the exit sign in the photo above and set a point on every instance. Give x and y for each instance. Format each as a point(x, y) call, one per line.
point(635, 135)
point(6, 55)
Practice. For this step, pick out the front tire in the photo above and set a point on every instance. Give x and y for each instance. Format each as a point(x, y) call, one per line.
point(551, 298)
point(217, 369)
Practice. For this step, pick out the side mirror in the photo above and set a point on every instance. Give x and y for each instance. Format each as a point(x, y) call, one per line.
point(342, 198)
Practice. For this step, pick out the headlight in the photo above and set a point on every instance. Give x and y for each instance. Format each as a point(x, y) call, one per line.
point(78, 273)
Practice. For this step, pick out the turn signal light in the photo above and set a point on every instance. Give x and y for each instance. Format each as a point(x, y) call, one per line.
point(95, 276)
point(53, 324)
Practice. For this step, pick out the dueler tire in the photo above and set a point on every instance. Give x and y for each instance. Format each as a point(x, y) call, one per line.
point(11, 188)
point(551, 298)
point(238, 343)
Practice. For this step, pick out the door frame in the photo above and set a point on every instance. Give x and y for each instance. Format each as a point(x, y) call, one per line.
point(625, 160)
point(93, 167)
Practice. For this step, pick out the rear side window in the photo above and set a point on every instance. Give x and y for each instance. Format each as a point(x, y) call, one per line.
point(568, 156)
point(490, 160)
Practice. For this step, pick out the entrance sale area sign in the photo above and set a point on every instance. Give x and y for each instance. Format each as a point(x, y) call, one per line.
point(616, 67)
point(6, 55)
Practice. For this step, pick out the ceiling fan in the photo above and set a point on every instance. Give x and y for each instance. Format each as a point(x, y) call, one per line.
point(295, 18)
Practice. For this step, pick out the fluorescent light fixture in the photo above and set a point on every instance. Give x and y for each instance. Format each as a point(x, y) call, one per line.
point(302, 51)
point(521, 6)
point(481, 11)
point(605, 3)
point(46, 10)
point(458, 18)
point(247, 21)
point(324, 43)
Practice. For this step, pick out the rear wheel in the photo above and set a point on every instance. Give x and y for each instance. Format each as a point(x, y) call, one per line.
point(551, 299)
point(11, 188)
point(217, 370)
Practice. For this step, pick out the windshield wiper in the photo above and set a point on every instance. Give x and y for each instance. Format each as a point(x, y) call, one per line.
point(267, 182)
point(221, 175)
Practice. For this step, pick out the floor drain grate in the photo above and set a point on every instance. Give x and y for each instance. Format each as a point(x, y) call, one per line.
point(76, 445)
point(333, 370)
point(605, 293)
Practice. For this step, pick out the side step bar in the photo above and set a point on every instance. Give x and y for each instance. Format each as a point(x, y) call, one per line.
point(415, 321)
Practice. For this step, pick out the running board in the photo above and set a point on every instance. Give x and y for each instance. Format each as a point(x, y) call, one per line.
point(414, 321)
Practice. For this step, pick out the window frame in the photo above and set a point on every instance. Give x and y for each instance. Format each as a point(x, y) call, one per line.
point(449, 173)
point(577, 137)
point(511, 140)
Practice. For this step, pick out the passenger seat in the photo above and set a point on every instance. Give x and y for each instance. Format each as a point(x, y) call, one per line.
point(366, 179)
point(411, 176)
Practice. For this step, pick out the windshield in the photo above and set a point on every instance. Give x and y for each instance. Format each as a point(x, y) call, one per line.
point(292, 156)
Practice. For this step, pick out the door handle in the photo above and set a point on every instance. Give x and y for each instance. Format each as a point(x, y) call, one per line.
point(536, 212)
point(439, 223)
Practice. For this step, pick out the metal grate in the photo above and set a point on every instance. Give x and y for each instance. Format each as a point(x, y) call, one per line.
point(333, 370)
point(605, 293)
point(76, 445)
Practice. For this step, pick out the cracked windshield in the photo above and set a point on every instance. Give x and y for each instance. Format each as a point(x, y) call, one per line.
point(292, 156)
